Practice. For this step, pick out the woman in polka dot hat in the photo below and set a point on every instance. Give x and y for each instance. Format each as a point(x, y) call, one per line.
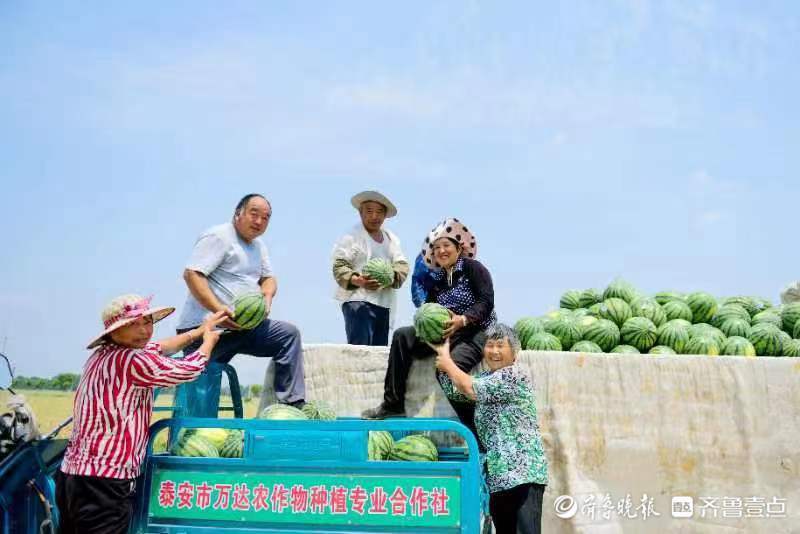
point(460, 283)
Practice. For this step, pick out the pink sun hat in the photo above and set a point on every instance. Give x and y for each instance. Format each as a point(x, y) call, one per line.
point(123, 311)
point(455, 230)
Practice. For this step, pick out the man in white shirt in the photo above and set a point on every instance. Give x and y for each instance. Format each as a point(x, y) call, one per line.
point(368, 307)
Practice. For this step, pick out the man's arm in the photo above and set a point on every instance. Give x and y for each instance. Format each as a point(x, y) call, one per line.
point(198, 287)
point(269, 286)
point(401, 269)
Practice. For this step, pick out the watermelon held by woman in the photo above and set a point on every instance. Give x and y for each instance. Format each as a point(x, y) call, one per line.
point(380, 270)
point(278, 412)
point(249, 310)
point(379, 445)
point(429, 322)
point(414, 448)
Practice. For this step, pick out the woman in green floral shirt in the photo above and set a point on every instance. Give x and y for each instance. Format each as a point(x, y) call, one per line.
point(505, 415)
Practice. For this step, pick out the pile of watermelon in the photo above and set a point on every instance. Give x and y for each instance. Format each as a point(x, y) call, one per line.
point(621, 319)
point(412, 448)
point(209, 443)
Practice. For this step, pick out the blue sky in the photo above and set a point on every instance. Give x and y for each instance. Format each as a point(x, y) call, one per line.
point(657, 141)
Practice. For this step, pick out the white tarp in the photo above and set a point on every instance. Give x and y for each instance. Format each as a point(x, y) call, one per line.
point(724, 431)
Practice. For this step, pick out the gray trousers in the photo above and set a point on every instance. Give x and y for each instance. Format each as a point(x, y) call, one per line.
point(274, 339)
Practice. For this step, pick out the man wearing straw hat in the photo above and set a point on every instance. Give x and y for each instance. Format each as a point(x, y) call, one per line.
point(367, 306)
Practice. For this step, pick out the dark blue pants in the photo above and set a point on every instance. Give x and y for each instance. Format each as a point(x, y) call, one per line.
point(366, 323)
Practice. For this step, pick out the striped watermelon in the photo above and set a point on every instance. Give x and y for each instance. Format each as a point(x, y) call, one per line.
point(677, 309)
point(674, 334)
point(571, 299)
point(661, 349)
point(567, 330)
point(792, 348)
point(639, 332)
point(736, 327)
point(706, 330)
point(649, 308)
point(624, 349)
point(282, 412)
point(730, 311)
point(790, 316)
point(747, 303)
point(604, 333)
point(768, 316)
point(429, 322)
point(796, 333)
point(616, 310)
point(703, 345)
point(526, 327)
point(195, 446)
point(233, 447)
point(595, 309)
point(579, 313)
point(249, 310)
point(620, 289)
point(766, 338)
point(589, 297)
point(585, 346)
point(319, 411)
point(414, 448)
point(379, 445)
point(585, 322)
point(762, 304)
point(703, 306)
point(216, 436)
point(785, 338)
point(544, 341)
point(665, 296)
point(380, 270)
point(738, 346)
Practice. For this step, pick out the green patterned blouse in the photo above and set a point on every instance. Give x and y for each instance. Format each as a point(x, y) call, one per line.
point(505, 415)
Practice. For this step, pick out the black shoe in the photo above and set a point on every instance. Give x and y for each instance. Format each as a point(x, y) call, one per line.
point(382, 412)
point(297, 404)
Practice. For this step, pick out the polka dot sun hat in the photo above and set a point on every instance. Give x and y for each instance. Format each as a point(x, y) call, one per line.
point(453, 229)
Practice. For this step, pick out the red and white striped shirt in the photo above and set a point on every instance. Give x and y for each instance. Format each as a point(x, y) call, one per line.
point(113, 405)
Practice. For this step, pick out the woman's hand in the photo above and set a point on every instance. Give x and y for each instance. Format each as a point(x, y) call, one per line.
point(210, 324)
point(454, 324)
point(443, 358)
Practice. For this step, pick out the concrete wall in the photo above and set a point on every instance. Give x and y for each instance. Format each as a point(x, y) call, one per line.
point(617, 426)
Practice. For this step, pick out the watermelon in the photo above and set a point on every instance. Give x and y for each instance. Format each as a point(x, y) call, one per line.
point(792, 348)
point(639, 332)
point(674, 334)
point(604, 333)
point(624, 349)
point(768, 316)
point(579, 313)
point(616, 310)
point(790, 316)
point(706, 330)
point(665, 296)
point(249, 310)
point(736, 327)
point(747, 303)
point(595, 309)
point(282, 412)
point(216, 436)
point(319, 411)
point(730, 311)
point(233, 447)
point(796, 333)
point(566, 329)
point(649, 308)
point(571, 299)
point(703, 345)
point(380, 270)
point(661, 349)
point(766, 338)
point(526, 327)
point(195, 446)
point(785, 338)
point(589, 297)
point(585, 322)
point(429, 322)
point(414, 448)
point(543, 341)
point(585, 346)
point(738, 346)
point(677, 309)
point(620, 289)
point(703, 306)
point(379, 445)
point(761, 304)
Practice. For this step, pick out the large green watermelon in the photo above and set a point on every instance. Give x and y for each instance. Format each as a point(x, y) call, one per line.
point(589, 297)
point(249, 310)
point(414, 448)
point(319, 410)
point(639, 332)
point(195, 446)
point(624, 349)
point(747, 303)
point(790, 316)
point(544, 341)
point(216, 436)
point(730, 311)
point(620, 289)
point(604, 333)
point(526, 327)
point(585, 322)
point(674, 334)
point(662, 349)
point(738, 346)
point(663, 297)
point(595, 309)
point(566, 329)
point(703, 345)
point(768, 316)
point(785, 338)
point(677, 309)
point(766, 338)
point(650, 309)
point(379, 445)
point(616, 310)
point(233, 447)
point(571, 299)
point(585, 346)
point(380, 270)
point(429, 322)
point(282, 411)
point(706, 330)
point(796, 333)
point(792, 348)
point(703, 306)
point(736, 327)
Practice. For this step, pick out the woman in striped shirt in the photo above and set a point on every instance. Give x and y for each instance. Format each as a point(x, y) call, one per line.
point(112, 409)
